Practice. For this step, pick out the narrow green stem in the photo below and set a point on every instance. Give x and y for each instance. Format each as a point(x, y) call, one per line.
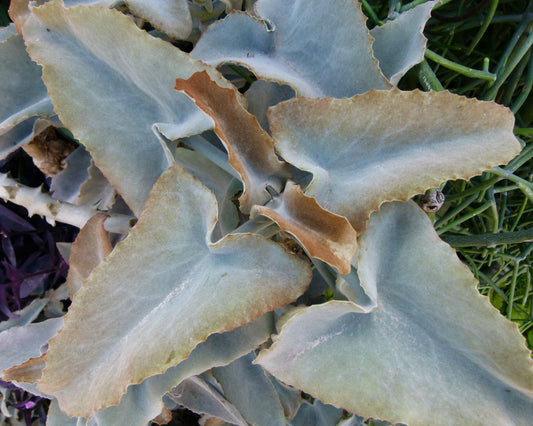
point(505, 72)
point(512, 291)
point(486, 23)
point(525, 186)
point(524, 94)
point(371, 14)
point(489, 240)
point(460, 69)
point(427, 78)
point(464, 218)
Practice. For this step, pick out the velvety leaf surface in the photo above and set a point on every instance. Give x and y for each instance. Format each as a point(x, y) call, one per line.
point(250, 390)
point(143, 402)
point(250, 148)
point(164, 289)
point(65, 186)
point(90, 248)
point(223, 185)
point(19, 344)
point(400, 44)
point(22, 92)
point(316, 53)
point(110, 82)
point(456, 360)
point(324, 235)
point(389, 145)
point(170, 16)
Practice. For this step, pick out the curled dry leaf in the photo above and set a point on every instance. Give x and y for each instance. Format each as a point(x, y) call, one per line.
point(48, 150)
point(250, 148)
point(389, 145)
point(27, 372)
point(324, 235)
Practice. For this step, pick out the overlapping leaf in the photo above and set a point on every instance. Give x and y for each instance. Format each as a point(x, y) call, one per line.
point(324, 235)
point(433, 352)
point(22, 92)
point(251, 391)
point(323, 49)
point(389, 145)
point(400, 44)
point(170, 16)
point(110, 82)
point(164, 289)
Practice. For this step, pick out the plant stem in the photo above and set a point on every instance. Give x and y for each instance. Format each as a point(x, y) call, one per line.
point(486, 23)
point(41, 203)
point(525, 186)
point(427, 77)
point(460, 69)
point(489, 240)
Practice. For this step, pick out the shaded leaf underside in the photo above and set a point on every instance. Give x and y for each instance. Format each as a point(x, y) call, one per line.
point(455, 359)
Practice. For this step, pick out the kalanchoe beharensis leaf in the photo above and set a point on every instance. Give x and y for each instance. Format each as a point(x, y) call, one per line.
point(454, 359)
point(389, 145)
point(164, 289)
point(110, 83)
point(250, 148)
point(400, 44)
point(324, 235)
point(170, 16)
point(22, 92)
point(299, 44)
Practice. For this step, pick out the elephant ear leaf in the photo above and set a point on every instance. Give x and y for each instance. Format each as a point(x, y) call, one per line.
point(111, 84)
point(389, 145)
point(400, 44)
point(322, 49)
point(161, 292)
point(456, 360)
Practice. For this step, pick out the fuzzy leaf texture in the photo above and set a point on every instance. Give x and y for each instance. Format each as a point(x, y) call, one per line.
point(434, 351)
point(323, 49)
point(111, 85)
point(389, 145)
point(160, 293)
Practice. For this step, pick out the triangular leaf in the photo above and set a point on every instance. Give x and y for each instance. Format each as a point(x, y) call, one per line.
point(400, 44)
point(22, 92)
point(110, 82)
point(433, 352)
point(164, 289)
point(389, 145)
point(319, 50)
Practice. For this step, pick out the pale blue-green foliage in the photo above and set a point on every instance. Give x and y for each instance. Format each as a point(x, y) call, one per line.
point(413, 342)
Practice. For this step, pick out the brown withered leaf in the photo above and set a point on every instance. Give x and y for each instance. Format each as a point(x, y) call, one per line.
point(48, 150)
point(90, 248)
point(28, 372)
point(325, 236)
point(250, 148)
